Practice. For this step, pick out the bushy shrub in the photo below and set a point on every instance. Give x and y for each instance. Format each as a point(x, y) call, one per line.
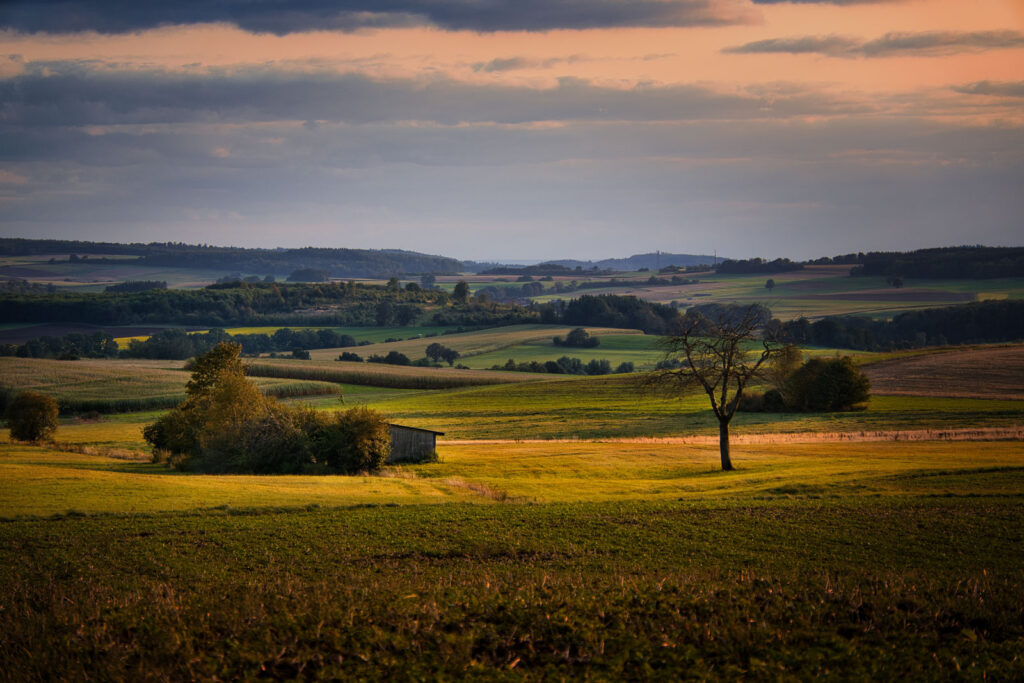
point(625, 366)
point(350, 357)
point(827, 385)
point(32, 416)
point(357, 440)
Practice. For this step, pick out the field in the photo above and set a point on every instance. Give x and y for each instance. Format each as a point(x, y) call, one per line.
point(571, 527)
point(472, 344)
point(109, 386)
point(901, 560)
point(985, 372)
point(817, 291)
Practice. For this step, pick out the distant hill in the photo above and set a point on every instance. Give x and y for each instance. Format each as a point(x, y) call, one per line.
point(652, 261)
point(337, 262)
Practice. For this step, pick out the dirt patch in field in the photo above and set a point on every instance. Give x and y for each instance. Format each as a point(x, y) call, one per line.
point(911, 294)
point(23, 334)
point(996, 372)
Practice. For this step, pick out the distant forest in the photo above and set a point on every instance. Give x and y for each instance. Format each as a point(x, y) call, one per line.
point(945, 263)
point(336, 262)
point(979, 322)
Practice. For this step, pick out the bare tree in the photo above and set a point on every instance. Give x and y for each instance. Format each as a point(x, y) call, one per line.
point(721, 354)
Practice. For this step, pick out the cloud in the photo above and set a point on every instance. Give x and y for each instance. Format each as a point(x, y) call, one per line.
point(825, 2)
point(290, 16)
point(70, 93)
point(923, 44)
point(992, 88)
point(832, 46)
point(517, 63)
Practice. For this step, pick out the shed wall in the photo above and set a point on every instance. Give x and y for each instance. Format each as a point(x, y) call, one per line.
point(410, 445)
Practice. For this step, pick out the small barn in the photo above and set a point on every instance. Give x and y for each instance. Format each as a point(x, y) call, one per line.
point(412, 444)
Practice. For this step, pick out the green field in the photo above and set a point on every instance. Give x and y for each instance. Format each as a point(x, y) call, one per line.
point(536, 547)
point(869, 561)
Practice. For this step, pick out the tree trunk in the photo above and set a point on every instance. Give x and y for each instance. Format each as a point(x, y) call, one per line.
point(723, 445)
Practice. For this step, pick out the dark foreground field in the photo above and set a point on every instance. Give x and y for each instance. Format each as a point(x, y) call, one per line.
point(917, 587)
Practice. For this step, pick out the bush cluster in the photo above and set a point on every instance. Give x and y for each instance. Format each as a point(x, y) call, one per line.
point(577, 339)
point(226, 425)
point(819, 385)
point(32, 416)
point(567, 366)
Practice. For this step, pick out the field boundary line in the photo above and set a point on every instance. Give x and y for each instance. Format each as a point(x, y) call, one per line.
point(984, 434)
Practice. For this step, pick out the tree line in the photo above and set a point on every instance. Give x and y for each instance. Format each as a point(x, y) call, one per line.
point(338, 262)
point(964, 262)
point(977, 322)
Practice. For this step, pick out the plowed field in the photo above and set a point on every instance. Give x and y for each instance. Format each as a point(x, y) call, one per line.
point(994, 372)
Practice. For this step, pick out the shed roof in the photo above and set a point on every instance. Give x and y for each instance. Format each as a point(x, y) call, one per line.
point(415, 429)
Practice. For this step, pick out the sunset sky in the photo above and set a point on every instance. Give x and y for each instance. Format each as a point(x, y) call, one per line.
point(504, 130)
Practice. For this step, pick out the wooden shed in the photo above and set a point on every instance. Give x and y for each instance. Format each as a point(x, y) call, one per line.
point(412, 444)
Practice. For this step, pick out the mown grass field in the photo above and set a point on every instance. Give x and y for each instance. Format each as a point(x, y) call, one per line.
point(44, 481)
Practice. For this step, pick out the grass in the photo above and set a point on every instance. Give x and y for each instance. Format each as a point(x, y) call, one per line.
point(111, 386)
point(469, 344)
point(383, 375)
point(616, 406)
point(43, 481)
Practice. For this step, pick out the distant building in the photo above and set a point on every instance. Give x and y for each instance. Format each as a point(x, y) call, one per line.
point(412, 444)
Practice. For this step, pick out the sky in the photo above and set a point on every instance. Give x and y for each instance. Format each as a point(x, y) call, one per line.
point(516, 129)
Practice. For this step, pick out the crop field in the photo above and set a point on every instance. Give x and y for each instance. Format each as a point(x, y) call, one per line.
point(984, 372)
point(470, 344)
point(872, 561)
point(94, 275)
point(818, 291)
point(383, 375)
point(571, 527)
point(120, 386)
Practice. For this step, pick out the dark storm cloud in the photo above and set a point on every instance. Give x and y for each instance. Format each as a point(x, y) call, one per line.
point(289, 16)
point(76, 94)
point(929, 43)
point(993, 88)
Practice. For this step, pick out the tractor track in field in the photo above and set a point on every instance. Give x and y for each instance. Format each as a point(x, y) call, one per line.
point(984, 434)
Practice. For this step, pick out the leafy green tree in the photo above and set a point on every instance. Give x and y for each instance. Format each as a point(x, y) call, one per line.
point(434, 351)
point(32, 416)
point(769, 284)
point(461, 292)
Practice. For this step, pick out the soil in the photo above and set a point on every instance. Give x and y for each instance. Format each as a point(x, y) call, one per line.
point(989, 372)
